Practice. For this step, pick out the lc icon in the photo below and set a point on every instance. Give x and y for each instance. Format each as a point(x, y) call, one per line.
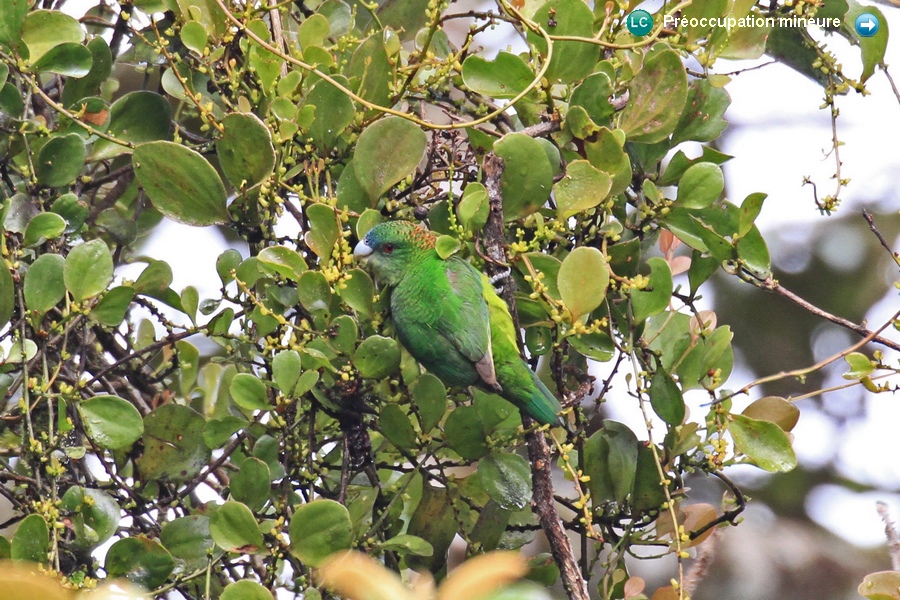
point(639, 22)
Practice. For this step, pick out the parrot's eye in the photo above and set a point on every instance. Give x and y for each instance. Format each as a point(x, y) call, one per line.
point(387, 248)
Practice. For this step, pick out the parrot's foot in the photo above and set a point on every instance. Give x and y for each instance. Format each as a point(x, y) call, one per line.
point(498, 279)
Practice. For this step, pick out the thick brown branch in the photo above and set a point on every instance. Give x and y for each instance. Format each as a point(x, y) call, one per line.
point(538, 450)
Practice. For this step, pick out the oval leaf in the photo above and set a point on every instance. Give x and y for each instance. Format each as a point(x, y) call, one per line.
point(765, 444)
point(387, 151)
point(181, 183)
point(234, 529)
point(506, 478)
point(88, 269)
point(319, 529)
point(111, 422)
point(582, 280)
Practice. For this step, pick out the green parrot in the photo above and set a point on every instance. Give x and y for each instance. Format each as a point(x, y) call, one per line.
point(448, 316)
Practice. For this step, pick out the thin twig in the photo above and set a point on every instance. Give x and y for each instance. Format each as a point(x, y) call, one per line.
point(894, 255)
point(773, 286)
point(890, 531)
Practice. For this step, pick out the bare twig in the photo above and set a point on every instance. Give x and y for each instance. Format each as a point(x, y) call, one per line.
point(894, 255)
point(773, 286)
point(890, 531)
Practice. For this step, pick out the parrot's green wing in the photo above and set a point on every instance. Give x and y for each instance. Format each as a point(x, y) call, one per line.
point(466, 322)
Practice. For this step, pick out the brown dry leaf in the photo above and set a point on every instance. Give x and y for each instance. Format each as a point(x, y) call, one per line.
point(634, 587)
point(665, 593)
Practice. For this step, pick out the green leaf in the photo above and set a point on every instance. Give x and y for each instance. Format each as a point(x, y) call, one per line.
point(657, 96)
point(377, 357)
point(69, 59)
point(571, 61)
point(44, 286)
point(430, 398)
point(334, 113)
point(504, 77)
point(386, 153)
point(181, 183)
point(860, 366)
point(286, 370)
point(11, 101)
point(473, 207)
point(95, 516)
point(245, 590)
point(408, 544)
point(43, 227)
point(754, 254)
point(174, 447)
point(32, 540)
point(359, 292)
point(188, 538)
point(395, 425)
point(12, 16)
point(656, 296)
point(583, 187)
point(750, 209)
point(506, 478)
point(527, 174)
point(251, 484)
point(314, 292)
point(89, 85)
point(218, 431)
point(610, 460)
point(249, 392)
point(351, 195)
point(583, 278)
point(593, 96)
point(245, 150)
point(371, 68)
point(137, 117)
point(446, 246)
point(110, 421)
point(433, 520)
point(234, 529)
point(60, 160)
point(284, 261)
point(873, 47)
point(45, 29)
point(700, 186)
point(88, 270)
point(465, 433)
point(764, 443)
point(648, 494)
point(142, 561)
point(323, 230)
point(666, 399)
point(319, 529)
point(702, 119)
point(193, 36)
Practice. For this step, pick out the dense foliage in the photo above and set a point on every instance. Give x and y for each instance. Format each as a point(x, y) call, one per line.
point(207, 443)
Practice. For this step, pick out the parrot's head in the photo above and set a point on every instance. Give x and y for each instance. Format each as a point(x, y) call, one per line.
point(389, 249)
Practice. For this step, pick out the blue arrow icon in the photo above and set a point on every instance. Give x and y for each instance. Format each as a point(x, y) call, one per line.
point(867, 25)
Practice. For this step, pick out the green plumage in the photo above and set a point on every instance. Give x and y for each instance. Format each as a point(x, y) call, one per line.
point(451, 320)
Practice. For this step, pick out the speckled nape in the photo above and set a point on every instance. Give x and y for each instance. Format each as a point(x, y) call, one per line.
point(419, 237)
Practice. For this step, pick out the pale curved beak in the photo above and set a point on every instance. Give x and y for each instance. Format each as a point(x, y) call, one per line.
point(362, 250)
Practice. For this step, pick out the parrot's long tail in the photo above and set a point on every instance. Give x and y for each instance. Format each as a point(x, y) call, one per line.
point(542, 405)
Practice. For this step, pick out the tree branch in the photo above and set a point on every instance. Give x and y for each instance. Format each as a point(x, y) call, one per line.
point(538, 449)
point(773, 286)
